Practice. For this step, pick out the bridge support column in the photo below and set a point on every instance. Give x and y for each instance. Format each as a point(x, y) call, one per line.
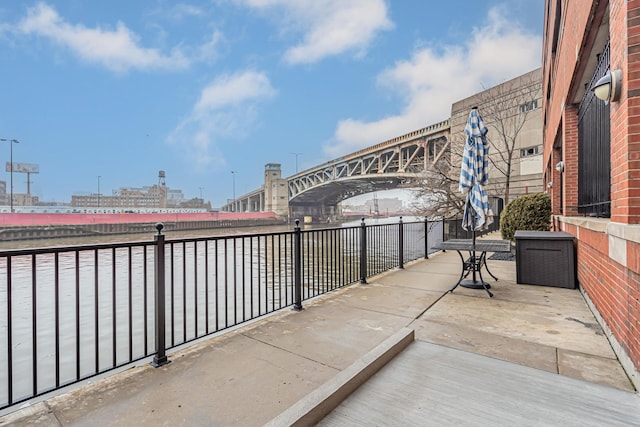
point(276, 196)
point(316, 213)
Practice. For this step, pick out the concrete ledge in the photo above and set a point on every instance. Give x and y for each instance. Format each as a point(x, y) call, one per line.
point(317, 404)
point(36, 414)
point(628, 232)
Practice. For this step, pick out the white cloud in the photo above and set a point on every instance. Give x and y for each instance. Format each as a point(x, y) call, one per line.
point(233, 90)
point(226, 107)
point(433, 79)
point(329, 27)
point(210, 49)
point(182, 10)
point(116, 49)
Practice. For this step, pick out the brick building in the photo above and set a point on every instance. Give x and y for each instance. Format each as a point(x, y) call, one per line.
point(591, 158)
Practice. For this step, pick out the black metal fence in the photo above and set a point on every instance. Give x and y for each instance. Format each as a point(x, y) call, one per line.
point(452, 228)
point(70, 313)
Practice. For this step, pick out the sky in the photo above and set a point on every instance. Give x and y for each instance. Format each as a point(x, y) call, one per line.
point(210, 91)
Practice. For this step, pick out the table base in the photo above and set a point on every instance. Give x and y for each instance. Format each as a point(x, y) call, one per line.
point(470, 284)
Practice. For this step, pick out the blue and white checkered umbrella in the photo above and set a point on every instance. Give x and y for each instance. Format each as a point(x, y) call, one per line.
point(474, 174)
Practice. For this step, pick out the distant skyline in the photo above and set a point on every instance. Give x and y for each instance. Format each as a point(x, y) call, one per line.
point(122, 89)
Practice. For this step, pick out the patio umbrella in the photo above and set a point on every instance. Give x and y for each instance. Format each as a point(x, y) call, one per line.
point(474, 175)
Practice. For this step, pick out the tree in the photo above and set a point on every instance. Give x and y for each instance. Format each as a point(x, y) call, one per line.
point(435, 195)
point(506, 110)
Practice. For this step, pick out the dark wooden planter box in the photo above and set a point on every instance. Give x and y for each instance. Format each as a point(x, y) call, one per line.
point(545, 258)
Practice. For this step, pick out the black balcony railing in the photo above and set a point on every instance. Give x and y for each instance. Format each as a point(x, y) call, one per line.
point(70, 313)
point(452, 228)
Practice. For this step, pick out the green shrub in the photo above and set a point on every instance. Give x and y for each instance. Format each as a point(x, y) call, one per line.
point(530, 212)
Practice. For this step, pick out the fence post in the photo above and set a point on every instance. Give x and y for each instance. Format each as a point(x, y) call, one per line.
point(444, 229)
point(363, 252)
point(445, 236)
point(297, 262)
point(160, 358)
point(400, 244)
point(426, 238)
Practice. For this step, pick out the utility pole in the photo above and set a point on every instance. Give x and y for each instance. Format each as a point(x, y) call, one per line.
point(11, 142)
point(297, 154)
point(233, 203)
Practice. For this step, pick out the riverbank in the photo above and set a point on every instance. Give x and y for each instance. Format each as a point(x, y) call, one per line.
point(20, 227)
point(44, 219)
point(99, 230)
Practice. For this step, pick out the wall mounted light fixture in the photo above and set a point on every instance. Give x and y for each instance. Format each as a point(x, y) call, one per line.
point(560, 166)
point(549, 184)
point(609, 86)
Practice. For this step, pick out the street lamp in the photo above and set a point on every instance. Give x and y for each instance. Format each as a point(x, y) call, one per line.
point(11, 142)
point(233, 174)
point(608, 88)
point(297, 154)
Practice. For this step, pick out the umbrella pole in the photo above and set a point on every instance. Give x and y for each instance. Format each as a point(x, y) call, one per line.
point(474, 263)
point(473, 247)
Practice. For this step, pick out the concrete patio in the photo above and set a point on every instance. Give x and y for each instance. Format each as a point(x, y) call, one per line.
point(532, 355)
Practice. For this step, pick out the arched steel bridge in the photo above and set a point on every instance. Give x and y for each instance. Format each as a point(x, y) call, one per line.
point(391, 164)
point(388, 165)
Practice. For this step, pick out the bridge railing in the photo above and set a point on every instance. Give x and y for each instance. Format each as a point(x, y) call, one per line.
point(68, 314)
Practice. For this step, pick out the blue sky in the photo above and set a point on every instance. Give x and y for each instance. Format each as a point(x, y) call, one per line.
point(123, 89)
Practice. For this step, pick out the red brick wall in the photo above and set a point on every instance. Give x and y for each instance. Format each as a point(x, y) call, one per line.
point(628, 159)
point(613, 287)
point(624, 30)
point(560, 115)
point(570, 159)
point(558, 71)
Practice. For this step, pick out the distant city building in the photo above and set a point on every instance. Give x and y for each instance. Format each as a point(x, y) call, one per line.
point(385, 205)
point(4, 197)
point(154, 197)
point(174, 197)
point(20, 199)
point(146, 197)
point(157, 196)
point(195, 203)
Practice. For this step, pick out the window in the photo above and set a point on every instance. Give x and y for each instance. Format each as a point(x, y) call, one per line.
point(529, 151)
point(529, 106)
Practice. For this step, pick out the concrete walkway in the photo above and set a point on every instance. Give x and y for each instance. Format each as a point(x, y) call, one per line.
point(432, 385)
point(271, 370)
